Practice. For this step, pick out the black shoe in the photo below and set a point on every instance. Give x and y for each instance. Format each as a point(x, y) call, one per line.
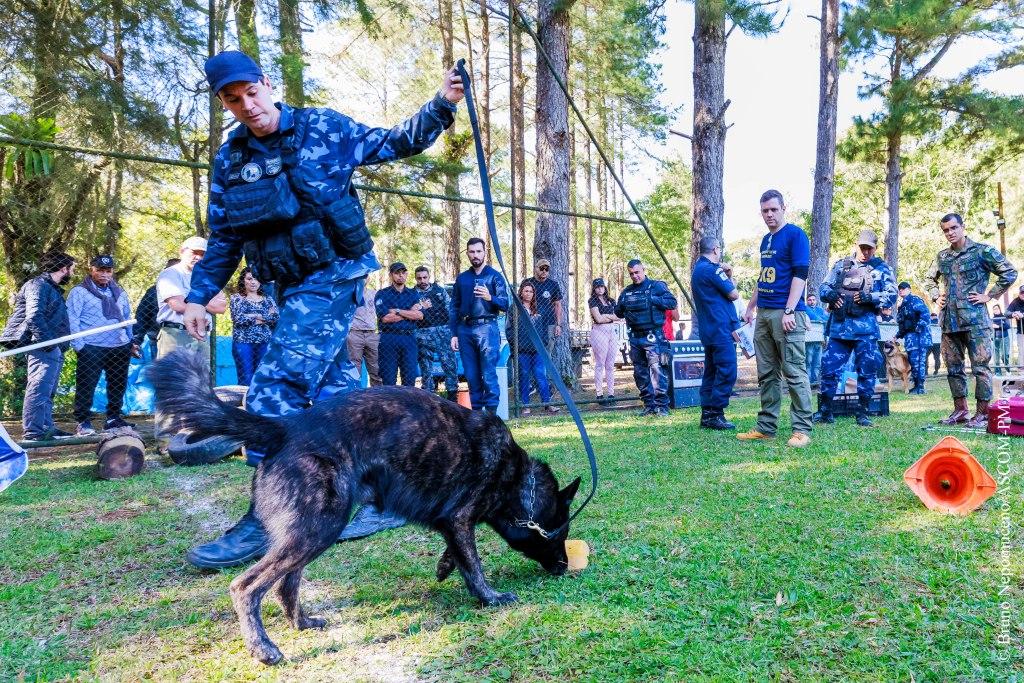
point(718, 422)
point(705, 415)
point(117, 423)
point(647, 412)
point(824, 414)
point(862, 412)
point(246, 540)
point(58, 433)
point(369, 520)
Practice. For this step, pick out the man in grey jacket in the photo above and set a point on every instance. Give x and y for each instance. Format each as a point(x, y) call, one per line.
point(40, 315)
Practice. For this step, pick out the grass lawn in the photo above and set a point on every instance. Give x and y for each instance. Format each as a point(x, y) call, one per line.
point(712, 560)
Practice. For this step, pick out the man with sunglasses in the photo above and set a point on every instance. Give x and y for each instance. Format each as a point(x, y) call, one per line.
point(549, 300)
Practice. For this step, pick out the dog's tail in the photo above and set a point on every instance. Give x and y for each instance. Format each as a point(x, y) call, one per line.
point(185, 398)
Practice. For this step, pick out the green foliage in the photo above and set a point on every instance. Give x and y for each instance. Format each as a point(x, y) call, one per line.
point(28, 162)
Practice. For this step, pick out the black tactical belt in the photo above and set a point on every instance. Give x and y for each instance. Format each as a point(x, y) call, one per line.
point(478, 320)
point(177, 326)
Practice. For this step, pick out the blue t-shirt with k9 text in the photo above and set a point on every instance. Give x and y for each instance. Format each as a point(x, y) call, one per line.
point(780, 254)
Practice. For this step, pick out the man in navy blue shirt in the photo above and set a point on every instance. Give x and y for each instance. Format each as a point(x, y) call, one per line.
point(549, 300)
point(398, 310)
point(479, 296)
point(714, 294)
point(782, 324)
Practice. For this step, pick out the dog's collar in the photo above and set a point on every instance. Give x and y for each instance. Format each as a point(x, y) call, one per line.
point(529, 523)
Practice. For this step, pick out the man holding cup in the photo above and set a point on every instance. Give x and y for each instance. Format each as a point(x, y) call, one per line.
point(479, 296)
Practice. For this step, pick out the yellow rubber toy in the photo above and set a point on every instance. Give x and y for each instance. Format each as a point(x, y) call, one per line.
point(577, 551)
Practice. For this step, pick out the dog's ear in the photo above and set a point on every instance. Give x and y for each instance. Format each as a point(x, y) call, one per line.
point(569, 492)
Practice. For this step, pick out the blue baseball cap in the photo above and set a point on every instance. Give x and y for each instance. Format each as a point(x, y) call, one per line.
point(231, 66)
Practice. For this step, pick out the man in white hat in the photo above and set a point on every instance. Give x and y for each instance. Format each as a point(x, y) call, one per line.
point(172, 286)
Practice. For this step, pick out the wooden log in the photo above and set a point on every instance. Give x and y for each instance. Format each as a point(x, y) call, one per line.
point(120, 457)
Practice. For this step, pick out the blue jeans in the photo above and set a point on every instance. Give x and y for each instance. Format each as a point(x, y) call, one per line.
point(247, 358)
point(397, 351)
point(44, 366)
point(478, 347)
point(814, 361)
point(531, 366)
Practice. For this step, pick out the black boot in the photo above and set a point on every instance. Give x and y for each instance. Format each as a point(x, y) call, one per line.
point(246, 540)
point(863, 403)
point(918, 387)
point(719, 423)
point(705, 415)
point(367, 521)
point(824, 414)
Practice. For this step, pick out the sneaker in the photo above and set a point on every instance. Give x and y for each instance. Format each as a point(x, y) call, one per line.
point(552, 409)
point(85, 429)
point(798, 440)
point(118, 423)
point(646, 412)
point(58, 433)
point(525, 411)
point(661, 412)
point(754, 435)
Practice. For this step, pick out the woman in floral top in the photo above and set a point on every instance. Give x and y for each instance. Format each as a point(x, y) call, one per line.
point(253, 316)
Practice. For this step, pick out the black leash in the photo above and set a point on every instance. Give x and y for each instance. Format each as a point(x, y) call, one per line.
point(553, 373)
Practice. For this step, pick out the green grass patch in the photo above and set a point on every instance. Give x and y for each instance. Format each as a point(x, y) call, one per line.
point(712, 560)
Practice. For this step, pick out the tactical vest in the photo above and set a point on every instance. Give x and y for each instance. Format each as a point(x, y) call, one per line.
point(856, 279)
point(288, 233)
point(641, 315)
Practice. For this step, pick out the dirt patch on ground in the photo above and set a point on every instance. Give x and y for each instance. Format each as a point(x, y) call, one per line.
point(211, 518)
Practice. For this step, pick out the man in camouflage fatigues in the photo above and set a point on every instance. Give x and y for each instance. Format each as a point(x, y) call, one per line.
point(913, 318)
point(282, 194)
point(964, 269)
point(855, 290)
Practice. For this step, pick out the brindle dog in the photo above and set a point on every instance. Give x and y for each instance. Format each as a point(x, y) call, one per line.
point(410, 452)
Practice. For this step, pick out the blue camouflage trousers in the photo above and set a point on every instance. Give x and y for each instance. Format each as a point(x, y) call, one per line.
point(307, 358)
point(837, 353)
point(436, 342)
point(650, 359)
point(917, 345)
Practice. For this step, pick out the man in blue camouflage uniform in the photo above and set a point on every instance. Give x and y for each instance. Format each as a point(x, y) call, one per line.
point(433, 335)
point(856, 290)
point(643, 305)
point(398, 312)
point(912, 318)
point(282, 194)
point(965, 269)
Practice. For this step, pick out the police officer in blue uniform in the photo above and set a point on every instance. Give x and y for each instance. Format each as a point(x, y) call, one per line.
point(913, 318)
point(479, 296)
point(856, 290)
point(398, 312)
point(643, 305)
point(282, 195)
point(714, 293)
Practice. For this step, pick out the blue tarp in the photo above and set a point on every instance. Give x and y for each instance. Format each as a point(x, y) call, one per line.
point(13, 460)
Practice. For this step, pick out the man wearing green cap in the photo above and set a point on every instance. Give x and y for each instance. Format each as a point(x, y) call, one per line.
point(282, 195)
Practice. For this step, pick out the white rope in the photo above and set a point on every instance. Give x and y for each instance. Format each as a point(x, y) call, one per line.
point(68, 337)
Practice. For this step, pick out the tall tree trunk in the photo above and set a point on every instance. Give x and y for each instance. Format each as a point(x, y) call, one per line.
point(588, 229)
point(708, 144)
point(245, 24)
point(215, 26)
point(293, 64)
point(116, 65)
point(825, 157)
point(453, 233)
point(893, 181)
point(518, 142)
point(551, 240)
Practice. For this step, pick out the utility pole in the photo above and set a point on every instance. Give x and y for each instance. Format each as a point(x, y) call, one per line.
point(1001, 224)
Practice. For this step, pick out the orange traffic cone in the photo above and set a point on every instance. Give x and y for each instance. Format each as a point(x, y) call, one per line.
point(463, 399)
point(949, 479)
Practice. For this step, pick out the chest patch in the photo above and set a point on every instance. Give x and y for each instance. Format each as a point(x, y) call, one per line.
point(251, 172)
point(273, 165)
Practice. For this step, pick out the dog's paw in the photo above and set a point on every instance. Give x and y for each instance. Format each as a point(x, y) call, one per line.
point(499, 599)
point(445, 566)
point(310, 622)
point(266, 653)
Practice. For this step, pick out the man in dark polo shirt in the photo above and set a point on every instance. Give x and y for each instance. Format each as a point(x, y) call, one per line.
point(782, 324)
point(398, 310)
point(549, 300)
point(714, 294)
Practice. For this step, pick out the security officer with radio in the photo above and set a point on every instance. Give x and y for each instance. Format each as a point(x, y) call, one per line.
point(643, 305)
point(714, 293)
point(912, 319)
point(282, 195)
point(856, 289)
point(398, 312)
